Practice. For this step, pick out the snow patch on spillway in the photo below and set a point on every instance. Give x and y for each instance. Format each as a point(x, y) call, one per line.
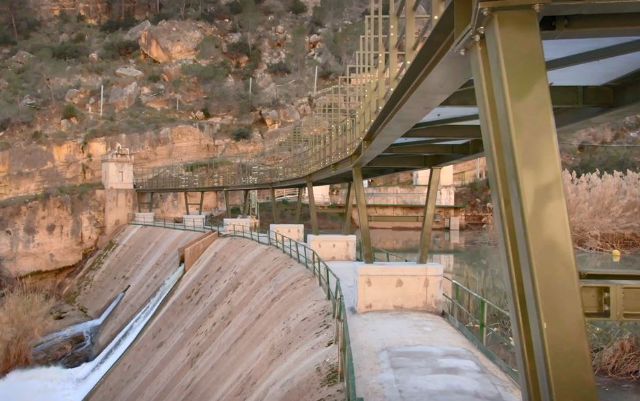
point(55, 383)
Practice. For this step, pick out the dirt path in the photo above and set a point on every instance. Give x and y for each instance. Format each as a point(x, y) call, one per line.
point(246, 323)
point(144, 258)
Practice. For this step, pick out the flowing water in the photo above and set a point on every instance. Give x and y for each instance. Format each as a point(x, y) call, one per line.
point(55, 383)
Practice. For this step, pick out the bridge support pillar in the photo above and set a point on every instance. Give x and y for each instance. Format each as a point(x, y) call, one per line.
point(245, 203)
point(274, 209)
point(348, 207)
point(429, 211)
point(312, 207)
point(363, 218)
point(520, 142)
point(225, 193)
point(299, 206)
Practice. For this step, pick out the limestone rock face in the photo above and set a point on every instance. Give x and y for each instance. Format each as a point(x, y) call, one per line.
point(135, 32)
point(129, 72)
point(171, 41)
point(49, 234)
point(122, 98)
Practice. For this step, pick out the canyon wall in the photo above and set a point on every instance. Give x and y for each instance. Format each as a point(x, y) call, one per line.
point(50, 231)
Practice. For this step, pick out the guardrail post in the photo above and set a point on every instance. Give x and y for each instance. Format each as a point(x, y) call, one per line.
point(326, 273)
point(483, 321)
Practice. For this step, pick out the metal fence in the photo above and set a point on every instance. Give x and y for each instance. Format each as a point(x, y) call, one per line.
point(485, 324)
point(327, 280)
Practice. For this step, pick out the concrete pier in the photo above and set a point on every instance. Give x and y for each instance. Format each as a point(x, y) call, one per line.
point(293, 231)
point(240, 223)
point(333, 247)
point(143, 217)
point(405, 286)
point(193, 220)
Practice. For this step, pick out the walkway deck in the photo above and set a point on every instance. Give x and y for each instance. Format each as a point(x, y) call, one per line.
point(416, 356)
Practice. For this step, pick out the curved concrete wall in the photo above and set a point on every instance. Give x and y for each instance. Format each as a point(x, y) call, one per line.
point(246, 323)
point(143, 258)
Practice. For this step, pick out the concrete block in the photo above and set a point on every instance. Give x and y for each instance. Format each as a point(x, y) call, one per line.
point(193, 220)
point(400, 286)
point(240, 223)
point(144, 217)
point(293, 231)
point(333, 247)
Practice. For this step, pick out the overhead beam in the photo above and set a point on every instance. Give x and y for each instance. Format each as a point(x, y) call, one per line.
point(594, 55)
point(412, 161)
point(469, 148)
point(561, 97)
point(445, 132)
point(590, 26)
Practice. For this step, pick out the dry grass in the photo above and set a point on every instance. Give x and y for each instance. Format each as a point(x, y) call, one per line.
point(620, 359)
point(603, 210)
point(24, 318)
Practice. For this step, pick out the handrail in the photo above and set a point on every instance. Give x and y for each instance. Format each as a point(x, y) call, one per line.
point(485, 324)
point(342, 115)
point(327, 280)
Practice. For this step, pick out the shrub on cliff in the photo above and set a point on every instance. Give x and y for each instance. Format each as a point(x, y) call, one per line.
point(69, 112)
point(212, 72)
point(69, 51)
point(297, 7)
point(114, 49)
point(241, 134)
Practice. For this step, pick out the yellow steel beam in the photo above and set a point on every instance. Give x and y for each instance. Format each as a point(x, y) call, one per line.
point(519, 135)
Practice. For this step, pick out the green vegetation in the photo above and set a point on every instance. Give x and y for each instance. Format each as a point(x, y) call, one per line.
point(70, 111)
point(212, 72)
point(114, 49)
point(280, 68)
point(297, 7)
point(69, 51)
point(241, 134)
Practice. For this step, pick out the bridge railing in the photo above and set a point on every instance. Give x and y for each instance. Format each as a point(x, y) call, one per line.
point(327, 280)
point(485, 324)
point(342, 114)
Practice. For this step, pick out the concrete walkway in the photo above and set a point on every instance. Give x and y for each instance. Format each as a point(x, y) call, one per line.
point(416, 356)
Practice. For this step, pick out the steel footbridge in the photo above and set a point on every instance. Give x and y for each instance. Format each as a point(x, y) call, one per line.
point(436, 82)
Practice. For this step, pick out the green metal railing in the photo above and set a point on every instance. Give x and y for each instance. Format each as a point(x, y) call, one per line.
point(485, 324)
point(327, 280)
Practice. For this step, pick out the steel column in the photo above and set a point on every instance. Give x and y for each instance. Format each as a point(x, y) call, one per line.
point(363, 218)
point(225, 193)
point(274, 211)
point(520, 143)
point(299, 206)
point(312, 207)
point(151, 202)
point(429, 211)
point(201, 201)
point(245, 202)
point(186, 201)
point(348, 207)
